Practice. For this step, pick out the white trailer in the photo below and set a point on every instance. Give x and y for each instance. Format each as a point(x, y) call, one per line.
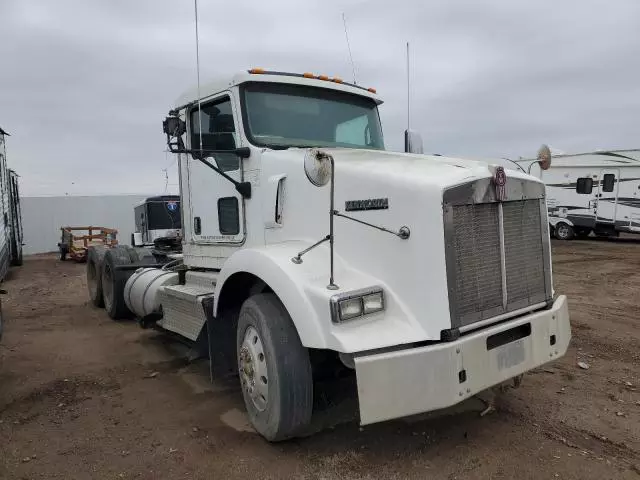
point(429, 276)
point(591, 192)
point(10, 217)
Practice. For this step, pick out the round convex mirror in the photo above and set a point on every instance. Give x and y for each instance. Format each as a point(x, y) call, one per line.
point(544, 157)
point(317, 166)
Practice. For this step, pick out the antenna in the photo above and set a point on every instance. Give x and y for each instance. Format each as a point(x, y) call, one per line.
point(166, 179)
point(195, 4)
point(346, 35)
point(408, 89)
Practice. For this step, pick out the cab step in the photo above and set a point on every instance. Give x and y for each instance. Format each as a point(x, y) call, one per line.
point(182, 310)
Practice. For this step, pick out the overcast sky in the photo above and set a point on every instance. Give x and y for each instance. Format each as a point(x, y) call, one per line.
point(84, 85)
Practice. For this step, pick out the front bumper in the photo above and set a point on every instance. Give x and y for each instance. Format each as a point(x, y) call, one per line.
point(406, 382)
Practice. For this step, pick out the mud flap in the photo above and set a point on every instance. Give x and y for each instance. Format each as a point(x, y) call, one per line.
point(221, 339)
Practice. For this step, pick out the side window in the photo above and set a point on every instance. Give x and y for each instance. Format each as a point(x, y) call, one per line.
point(584, 185)
point(354, 131)
point(228, 216)
point(608, 182)
point(218, 132)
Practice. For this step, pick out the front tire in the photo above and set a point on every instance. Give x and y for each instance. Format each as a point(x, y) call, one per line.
point(564, 231)
point(275, 370)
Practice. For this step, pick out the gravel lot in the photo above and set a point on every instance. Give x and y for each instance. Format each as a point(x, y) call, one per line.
point(82, 397)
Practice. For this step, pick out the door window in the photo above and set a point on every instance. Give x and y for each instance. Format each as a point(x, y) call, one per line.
point(608, 182)
point(218, 132)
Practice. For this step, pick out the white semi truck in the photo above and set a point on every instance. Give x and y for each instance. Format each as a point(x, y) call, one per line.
point(429, 276)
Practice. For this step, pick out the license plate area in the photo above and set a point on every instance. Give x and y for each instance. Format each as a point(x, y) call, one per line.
point(509, 346)
point(508, 336)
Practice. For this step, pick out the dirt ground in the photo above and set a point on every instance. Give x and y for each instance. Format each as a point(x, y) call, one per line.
point(82, 397)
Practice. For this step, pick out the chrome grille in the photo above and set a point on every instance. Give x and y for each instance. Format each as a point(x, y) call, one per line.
point(478, 270)
point(523, 253)
point(476, 274)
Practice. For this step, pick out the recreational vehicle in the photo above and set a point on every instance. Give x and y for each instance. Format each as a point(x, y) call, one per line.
point(595, 192)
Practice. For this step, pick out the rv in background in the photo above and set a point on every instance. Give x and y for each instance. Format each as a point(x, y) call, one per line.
point(591, 192)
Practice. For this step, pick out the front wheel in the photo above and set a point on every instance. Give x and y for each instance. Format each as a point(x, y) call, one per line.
point(275, 370)
point(564, 231)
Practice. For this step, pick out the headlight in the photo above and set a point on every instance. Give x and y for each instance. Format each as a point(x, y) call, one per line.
point(350, 308)
point(373, 303)
point(347, 306)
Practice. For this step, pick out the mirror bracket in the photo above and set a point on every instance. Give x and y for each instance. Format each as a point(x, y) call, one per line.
point(412, 142)
point(174, 127)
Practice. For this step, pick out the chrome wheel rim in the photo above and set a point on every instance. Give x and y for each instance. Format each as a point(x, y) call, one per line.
point(252, 365)
point(563, 231)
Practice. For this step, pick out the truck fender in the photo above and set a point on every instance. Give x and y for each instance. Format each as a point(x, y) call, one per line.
point(553, 221)
point(287, 280)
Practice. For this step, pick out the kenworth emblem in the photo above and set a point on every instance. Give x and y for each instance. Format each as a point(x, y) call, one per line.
point(499, 181)
point(369, 204)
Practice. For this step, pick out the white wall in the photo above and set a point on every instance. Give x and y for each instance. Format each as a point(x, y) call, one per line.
point(42, 217)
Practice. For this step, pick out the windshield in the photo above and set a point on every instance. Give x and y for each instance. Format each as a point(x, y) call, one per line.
point(283, 115)
point(163, 215)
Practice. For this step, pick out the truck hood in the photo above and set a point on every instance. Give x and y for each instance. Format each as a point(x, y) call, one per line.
point(407, 191)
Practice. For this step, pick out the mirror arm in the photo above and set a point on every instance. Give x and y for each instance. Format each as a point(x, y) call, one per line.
point(243, 188)
point(404, 232)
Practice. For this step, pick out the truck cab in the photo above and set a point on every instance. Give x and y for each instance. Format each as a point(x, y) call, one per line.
point(157, 218)
point(429, 276)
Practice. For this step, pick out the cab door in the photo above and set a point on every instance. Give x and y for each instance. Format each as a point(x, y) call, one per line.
point(607, 205)
point(217, 209)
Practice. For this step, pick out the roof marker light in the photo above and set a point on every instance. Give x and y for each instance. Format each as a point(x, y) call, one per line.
point(372, 90)
point(337, 80)
point(323, 77)
point(308, 75)
point(256, 70)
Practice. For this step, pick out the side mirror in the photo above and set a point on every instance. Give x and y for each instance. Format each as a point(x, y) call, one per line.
point(174, 126)
point(319, 167)
point(412, 142)
point(544, 157)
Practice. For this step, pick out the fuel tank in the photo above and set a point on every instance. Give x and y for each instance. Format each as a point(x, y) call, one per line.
point(141, 290)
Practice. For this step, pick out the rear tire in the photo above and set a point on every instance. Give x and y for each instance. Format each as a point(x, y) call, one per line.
point(564, 231)
point(275, 370)
point(113, 282)
point(95, 257)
